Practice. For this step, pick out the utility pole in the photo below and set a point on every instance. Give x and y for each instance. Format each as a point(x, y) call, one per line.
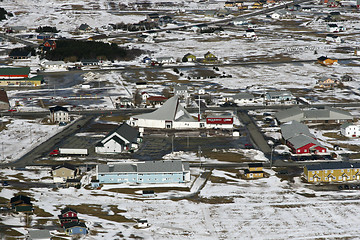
point(199, 152)
point(172, 144)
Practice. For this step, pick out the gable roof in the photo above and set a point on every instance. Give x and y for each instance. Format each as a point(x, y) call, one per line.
point(74, 224)
point(160, 166)
point(294, 128)
point(117, 168)
point(124, 130)
point(328, 113)
point(301, 140)
point(58, 108)
point(171, 110)
point(64, 165)
point(67, 209)
point(290, 114)
point(21, 198)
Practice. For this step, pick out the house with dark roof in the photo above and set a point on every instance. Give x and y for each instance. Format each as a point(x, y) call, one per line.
point(68, 215)
point(332, 172)
point(254, 170)
point(4, 100)
point(84, 28)
point(59, 114)
point(21, 203)
point(123, 138)
point(163, 171)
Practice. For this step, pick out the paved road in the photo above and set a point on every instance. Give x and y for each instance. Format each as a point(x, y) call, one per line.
point(16, 39)
point(50, 144)
point(255, 134)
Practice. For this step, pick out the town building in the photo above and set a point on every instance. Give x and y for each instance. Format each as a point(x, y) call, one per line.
point(21, 203)
point(172, 115)
point(59, 114)
point(254, 170)
point(75, 228)
point(332, 172)
point(123, 138)
point(327, 83)
point(326, 61)
point(63, 172)
point(350, 130)
point(18, 77)
point(325, 115)
point(163, 171)
point(280, 97)
point(54, 66)
point(301, 142)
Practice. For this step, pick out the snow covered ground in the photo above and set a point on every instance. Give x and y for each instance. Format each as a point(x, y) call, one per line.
point(232, 208)
point(22, 135)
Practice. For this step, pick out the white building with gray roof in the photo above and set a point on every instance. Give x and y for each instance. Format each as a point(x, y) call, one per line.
point(163, 171)
point(123, 138)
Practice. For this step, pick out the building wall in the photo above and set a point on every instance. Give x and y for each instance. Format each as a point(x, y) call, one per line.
point(76, 230)
point(110, 147)
point(143, 178)
point(64, 173)
point(19, 82)
point(351, 131)
point(328, 175)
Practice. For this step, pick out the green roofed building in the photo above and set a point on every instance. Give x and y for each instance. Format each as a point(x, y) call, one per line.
point(9, 73)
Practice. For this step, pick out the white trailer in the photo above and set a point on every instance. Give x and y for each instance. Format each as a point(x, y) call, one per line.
point(73, 151)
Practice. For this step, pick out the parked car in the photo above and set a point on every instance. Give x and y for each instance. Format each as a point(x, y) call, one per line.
point(62, 123)
point(5, 183)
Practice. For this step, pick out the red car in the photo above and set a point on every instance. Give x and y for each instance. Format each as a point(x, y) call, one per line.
point(12, 110)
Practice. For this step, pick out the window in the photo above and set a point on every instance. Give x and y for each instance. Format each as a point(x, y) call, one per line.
point(332, 171)
point(326, 178)
point(325, 171)
point(342, 170)
point(317, 171)
point(348, 170)
point(340, 178)
point(311, 179)
point(313, 172)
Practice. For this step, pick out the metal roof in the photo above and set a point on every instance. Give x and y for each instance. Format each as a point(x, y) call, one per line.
point(160, 166)
point(243, 95)
point(14, 71)
point(294, 128)
point(302, 140)
point(290, 114)
point(172, 110)
point(329, 165)
point(39, 234)
point(117, 168)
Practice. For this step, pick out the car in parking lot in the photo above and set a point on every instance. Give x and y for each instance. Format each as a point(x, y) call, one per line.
point(5, 183)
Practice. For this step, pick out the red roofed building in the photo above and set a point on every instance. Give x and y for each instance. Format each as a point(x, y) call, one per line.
point(155, 101)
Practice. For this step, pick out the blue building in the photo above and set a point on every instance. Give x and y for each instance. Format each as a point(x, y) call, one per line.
point(172, 171)
point(75, 228)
